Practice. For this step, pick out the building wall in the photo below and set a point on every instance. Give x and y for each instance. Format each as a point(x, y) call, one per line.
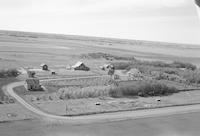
point(33, 84)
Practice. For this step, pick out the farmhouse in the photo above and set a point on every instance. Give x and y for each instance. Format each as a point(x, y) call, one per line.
point(33, 84)
point(135, 74)
point(44, 66)
point(80, 66)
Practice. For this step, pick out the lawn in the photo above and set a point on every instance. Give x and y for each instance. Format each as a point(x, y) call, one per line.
point(5, 81)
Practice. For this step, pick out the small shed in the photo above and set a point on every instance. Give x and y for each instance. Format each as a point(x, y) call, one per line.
point(53, 72)
point(44, 66)
point(135, 74)
point(33, 84)
point(80, 66)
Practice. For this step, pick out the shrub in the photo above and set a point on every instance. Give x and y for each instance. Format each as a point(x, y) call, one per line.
point(143, 88)
point(178, 64)
point(9, 73)
point(122, 65)
point(192, 76)
point(171, 71)
point(153, 64)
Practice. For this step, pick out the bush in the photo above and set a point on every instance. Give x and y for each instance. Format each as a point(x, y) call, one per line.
point(192, 76)
point(177, 64)
point(9, 73)
point(171, 71)
point(142, 88)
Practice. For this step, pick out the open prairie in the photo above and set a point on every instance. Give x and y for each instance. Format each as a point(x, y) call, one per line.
point(87, 92)
point(19, 49)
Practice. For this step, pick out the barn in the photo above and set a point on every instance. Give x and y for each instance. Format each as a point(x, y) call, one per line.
point(33, 84)
point(44, 66)
point(80, 66)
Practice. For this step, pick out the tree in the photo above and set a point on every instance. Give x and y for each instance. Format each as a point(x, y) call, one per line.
point(111, 71)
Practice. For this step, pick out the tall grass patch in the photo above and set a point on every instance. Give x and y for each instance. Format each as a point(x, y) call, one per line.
point(87, 92)
point(83, 82)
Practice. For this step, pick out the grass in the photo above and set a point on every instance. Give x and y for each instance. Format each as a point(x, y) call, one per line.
point(5, 81)
point(7, 76)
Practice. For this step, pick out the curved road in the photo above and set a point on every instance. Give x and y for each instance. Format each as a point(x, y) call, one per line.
point(101, 117)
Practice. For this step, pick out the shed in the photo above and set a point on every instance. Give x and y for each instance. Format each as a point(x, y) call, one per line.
point(80, 66)
point(135, 74)
point(44, 66)
point(33, 84)
point(53, 72)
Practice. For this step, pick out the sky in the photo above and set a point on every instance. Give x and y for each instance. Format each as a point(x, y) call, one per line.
point(155, 20)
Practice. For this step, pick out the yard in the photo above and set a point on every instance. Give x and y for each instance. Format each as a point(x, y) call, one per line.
point(4, 81)
point(87, 106)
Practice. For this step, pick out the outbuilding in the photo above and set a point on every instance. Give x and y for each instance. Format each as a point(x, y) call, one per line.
point(33, 84)
point(44, 66)
point(80, 66)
